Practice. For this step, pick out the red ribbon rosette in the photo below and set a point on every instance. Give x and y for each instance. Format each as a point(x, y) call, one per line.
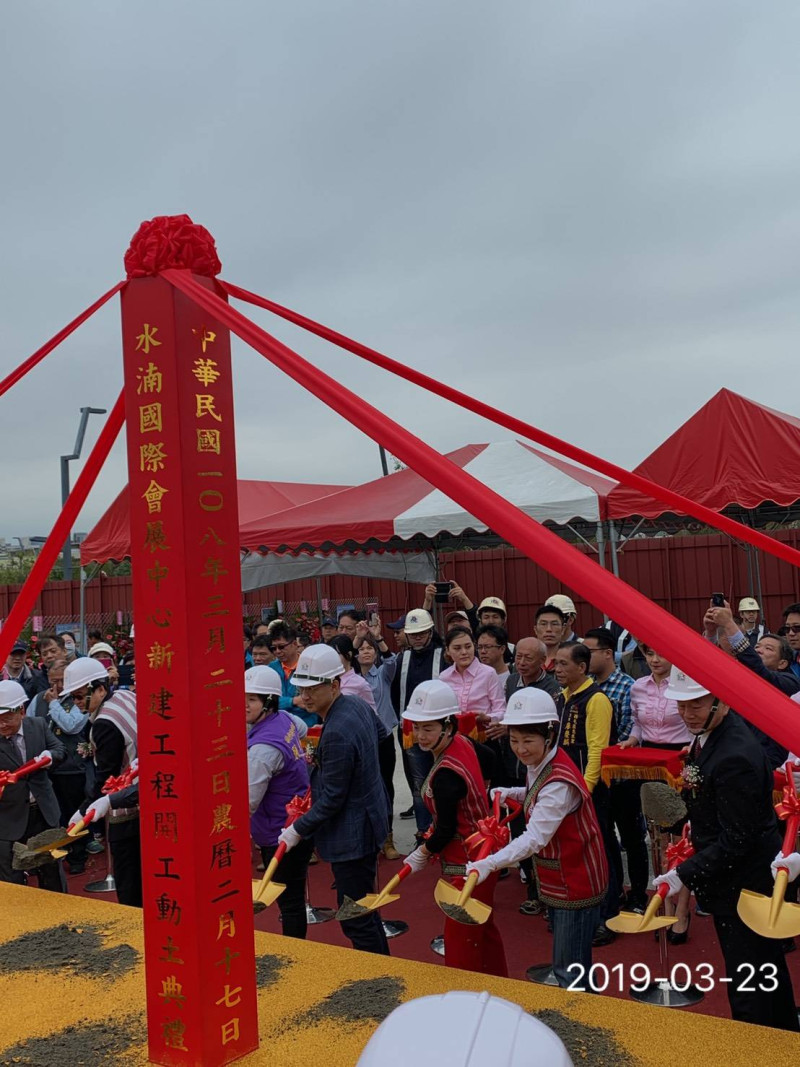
point(298, 806)
point(789, 804)
point(490, 833)
point(681, 850)
point(114, 783)
point(171, 242)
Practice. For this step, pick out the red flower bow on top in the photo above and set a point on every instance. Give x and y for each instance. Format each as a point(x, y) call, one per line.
point(789, 804)
point(171, 241)
point(298, 806)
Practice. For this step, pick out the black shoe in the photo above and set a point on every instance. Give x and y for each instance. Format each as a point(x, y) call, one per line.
point(504, 873)
point(407, 814)
point(682, 938)
point(77, 868)
point(603, 936)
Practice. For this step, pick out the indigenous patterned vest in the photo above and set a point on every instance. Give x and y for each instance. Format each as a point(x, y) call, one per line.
point(571, 870)
point(459, 756)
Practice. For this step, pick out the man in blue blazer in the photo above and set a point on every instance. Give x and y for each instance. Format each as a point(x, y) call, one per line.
point(349, 814)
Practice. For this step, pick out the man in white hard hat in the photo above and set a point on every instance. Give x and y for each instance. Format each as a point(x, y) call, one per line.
point(113, 737)
point(349, 815)
point(455, 795)
point(752, 629)
point(561, 834)
point(29, 806)
point(735, 837)
point(276, 773)
point(566, 606)
point(421, 661)
point(461, 1029)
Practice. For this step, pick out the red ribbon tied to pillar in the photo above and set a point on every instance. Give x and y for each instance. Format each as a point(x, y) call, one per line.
point(171, 241)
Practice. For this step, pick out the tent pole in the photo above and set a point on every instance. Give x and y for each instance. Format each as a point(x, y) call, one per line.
point(319, 604)
point(612, 539)
point(601, 554)
point(601, 544)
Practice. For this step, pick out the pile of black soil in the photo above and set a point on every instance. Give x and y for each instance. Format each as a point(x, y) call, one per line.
point(91, 1045)
point(590, 1045)
point(366, 1000)
point(76, 948)
point(269, 969)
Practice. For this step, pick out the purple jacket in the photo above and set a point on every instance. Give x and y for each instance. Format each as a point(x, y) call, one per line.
point(269, 818)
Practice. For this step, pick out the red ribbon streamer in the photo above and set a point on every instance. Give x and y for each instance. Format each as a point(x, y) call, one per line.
point(489, 829)
point(26, 598)
point(676, 501)
point(298, 806)
point(46, 349)
point(733, 683)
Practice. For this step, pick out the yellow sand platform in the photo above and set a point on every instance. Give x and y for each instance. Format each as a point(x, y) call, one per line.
point(63, 1009)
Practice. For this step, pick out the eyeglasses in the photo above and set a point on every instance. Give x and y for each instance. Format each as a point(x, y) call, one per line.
point(485, 648)
point(788, 630)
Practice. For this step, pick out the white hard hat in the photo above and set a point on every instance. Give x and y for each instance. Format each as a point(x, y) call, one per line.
point(562, 602)
point(81, 672)
point(263, 680)
point(748, 603)
point(463, 1029)
point(317, 663)
point(431, 701)
point(682, 687)
point(530, 706)
point(493, 603)
point(101, 646)
point(12, 696)
point(418, 620)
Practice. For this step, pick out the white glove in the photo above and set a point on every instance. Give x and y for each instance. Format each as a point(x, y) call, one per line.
point(500, 791)
point(47, 753)
point(99, 808)
point(483, 868)
point(77, 817)
point(134, 767)
point(791, 862)
point(417, 860)
point(289, 837)
point(670, 879)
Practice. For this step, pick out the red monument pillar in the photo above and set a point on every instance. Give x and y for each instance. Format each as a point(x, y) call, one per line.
point(198, 927)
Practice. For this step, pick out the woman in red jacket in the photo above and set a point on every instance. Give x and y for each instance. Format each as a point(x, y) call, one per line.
point(561, 834)
point(455, 794)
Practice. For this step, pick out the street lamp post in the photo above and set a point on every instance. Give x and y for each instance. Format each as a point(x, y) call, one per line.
point(65, 460)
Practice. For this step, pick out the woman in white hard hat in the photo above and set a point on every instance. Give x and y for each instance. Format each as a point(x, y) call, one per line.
point(561, 834)
point(277, 771)
point(455, 796)
point(463, 1029)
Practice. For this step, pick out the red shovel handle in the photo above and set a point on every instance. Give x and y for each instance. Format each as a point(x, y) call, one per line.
point(790, 834)
point(662, 890)
point(280, 851)
point(404, 872)
point(514, 809)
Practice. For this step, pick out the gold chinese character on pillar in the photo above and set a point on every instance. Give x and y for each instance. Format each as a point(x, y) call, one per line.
point(154, 494)
point(149, 380)
point(152, 456)
point(150, 418)
point(208, 441)
point(147, 339)
point(205, 371)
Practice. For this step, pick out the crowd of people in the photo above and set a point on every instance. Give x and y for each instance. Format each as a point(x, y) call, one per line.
point(474, 718)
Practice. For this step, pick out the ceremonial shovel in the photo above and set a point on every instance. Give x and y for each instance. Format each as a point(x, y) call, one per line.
point(773, 916)
point(354, 909)
point(266, 891)
point(457, 904)
point(628, 922)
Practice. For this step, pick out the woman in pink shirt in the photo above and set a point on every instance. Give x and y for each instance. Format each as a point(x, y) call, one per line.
point(657, 724)
point(477, 686)
point(656, 720)
point(352, 684)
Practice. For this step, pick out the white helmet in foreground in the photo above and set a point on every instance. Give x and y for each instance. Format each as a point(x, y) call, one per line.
point(262, 680)
point(82, 671)
point(317, 663)
point(530, 707)
point(682, 687)
point(463, 1030)
point(431, 701)
point(12, 696)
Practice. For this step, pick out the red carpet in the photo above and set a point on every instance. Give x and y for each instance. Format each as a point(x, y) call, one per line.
point(526, 939)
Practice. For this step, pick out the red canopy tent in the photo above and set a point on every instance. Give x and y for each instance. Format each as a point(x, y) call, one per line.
point(110, 538)
point(703, 460)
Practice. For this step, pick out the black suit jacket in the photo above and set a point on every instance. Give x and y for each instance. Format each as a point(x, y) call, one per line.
point(14, 803)
point(735, 831)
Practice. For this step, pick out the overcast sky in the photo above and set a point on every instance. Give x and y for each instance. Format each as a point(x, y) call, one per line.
point(587, 214)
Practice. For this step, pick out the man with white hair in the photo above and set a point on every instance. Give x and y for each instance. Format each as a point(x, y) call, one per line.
point(735, 837)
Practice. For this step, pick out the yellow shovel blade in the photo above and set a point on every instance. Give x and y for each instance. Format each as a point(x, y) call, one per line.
point(452, 902)
point(59, 843)
point(262, 898)
point(770, 916)
point(628, 922)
